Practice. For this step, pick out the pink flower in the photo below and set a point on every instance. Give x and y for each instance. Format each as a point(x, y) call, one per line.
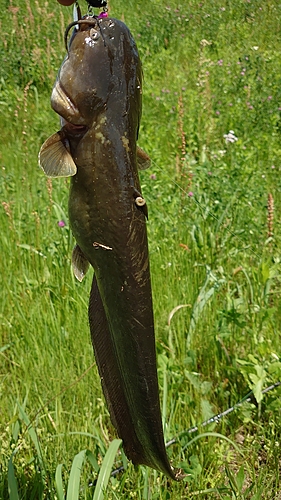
point(190, 194)
point(61, 223)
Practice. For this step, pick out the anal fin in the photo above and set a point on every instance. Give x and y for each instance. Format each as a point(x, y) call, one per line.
point(110, 375)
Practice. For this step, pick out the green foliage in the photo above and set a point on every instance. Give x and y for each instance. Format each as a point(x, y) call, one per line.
point(209, 68)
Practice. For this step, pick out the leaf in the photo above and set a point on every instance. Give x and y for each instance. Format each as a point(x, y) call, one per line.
point(258, 382)
point(75, 475)
point(193, 379)
point(206, 409)
point(59, 482)
point(93, 461)
point(240, 479)
point(105, 470)
point(232, 479)
point(253, 359)
point(257, 388)
point(12, 482)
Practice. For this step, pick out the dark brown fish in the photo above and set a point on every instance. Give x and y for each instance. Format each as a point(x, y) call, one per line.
point(98, 95)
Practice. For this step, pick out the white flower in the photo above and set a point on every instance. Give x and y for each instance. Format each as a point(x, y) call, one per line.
point(230, 137)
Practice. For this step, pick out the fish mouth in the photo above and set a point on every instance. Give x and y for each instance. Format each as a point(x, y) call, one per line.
point(72, 128)
point(64, 106)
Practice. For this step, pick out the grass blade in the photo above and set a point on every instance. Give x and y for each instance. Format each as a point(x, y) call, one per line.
point(59, 482)
point(75, 475)
point(12, 482)
point(214, 434)
point(93, 461)
point(106, 467)
point(33, 435)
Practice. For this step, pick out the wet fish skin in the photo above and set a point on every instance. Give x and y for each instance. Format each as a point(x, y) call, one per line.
point(98, 96)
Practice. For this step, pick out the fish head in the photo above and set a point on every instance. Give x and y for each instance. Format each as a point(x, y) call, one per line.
point(102, 67)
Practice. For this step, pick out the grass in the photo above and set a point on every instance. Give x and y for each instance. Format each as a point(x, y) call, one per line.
point(214, 247)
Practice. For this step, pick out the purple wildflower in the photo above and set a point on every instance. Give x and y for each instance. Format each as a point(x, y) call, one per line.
point(61, 223)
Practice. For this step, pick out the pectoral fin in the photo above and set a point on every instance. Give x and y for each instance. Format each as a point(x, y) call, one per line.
point(143, 159)
point(80, 264)
point(55, 159)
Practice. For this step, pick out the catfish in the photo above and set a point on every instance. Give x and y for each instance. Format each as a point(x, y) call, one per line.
point(98, 95)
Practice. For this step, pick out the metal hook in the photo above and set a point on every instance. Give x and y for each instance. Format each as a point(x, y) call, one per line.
point(91, 22)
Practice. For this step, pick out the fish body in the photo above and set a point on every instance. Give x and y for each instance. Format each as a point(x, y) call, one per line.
point(98, 96)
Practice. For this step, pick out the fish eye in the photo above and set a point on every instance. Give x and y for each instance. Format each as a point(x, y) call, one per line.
point(94, 34)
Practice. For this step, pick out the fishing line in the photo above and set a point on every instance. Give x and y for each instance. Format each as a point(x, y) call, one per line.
point(249, 398)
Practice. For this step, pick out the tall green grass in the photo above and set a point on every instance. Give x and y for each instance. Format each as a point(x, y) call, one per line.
point(209, 68)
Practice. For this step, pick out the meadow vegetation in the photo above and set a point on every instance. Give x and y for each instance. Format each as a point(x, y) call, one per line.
point(212, 127)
